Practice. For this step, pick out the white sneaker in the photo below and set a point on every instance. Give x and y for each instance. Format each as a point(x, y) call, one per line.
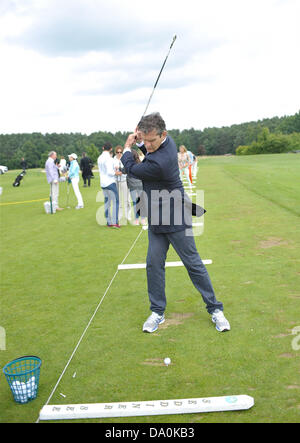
point(152, 322)
point(222, 324)
point(79, 207)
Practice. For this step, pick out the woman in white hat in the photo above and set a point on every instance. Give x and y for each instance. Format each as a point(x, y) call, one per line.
point(74, 178)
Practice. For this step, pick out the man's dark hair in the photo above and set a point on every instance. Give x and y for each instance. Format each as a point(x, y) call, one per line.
point(151, 122)
point(107, 146)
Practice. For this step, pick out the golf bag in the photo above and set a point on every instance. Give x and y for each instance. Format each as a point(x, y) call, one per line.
point(18, 179)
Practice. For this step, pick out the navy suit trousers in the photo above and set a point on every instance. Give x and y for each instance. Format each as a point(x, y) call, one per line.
point(185, 247)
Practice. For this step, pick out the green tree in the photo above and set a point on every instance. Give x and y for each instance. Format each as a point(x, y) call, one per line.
point(93, 153)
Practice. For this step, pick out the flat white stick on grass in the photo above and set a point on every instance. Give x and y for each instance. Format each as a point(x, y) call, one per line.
point(147, 408)
point(170, 264)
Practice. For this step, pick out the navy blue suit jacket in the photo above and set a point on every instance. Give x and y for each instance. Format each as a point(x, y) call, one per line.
point(159, 171)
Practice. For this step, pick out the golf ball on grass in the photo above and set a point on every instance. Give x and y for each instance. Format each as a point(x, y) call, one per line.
point(167, 361)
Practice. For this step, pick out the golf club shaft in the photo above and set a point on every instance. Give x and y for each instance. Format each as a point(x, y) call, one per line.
point(157, 80)
point(68, 193)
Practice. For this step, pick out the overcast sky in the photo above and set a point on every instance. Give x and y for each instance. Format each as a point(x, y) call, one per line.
point(90, 65)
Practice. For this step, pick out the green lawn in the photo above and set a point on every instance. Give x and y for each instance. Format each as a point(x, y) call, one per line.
point(55, 270)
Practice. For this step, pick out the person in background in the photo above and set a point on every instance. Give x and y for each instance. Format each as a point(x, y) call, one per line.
point(194, 166)
point(53, 178)
point(86, 169)
point(124, 202)
point(135, 187)
point(183, 163)
point(191, 160)
point(63, 166)
point(108, 176)
point(23, 164)
point(74, 178)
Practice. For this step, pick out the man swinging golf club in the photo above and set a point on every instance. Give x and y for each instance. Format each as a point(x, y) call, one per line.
point(159, 172)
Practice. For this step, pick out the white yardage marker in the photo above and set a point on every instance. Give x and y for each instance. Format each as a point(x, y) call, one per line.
point(170, 264)
point(146, 408)
point(146, 227)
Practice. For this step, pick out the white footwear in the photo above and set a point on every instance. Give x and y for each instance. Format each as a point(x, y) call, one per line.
point(152, 322)
point(222, 324)
point(79, 207)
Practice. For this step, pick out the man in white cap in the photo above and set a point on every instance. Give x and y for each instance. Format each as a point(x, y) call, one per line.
point(74, 178)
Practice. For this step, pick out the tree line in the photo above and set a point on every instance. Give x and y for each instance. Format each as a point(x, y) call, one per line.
point(277, 134)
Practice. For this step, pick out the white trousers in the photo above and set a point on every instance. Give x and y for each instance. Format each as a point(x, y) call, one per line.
point(75, 184)
point(124, 200)
point(54, 192)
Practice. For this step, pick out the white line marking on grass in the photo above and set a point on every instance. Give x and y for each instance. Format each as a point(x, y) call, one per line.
point(89, 323)
point(170, 264)
point(25, 201)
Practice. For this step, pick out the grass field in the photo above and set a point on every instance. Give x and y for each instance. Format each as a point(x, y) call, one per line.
point(55, 270)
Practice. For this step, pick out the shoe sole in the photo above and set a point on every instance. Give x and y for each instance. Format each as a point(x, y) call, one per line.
point(220, 330)
point(223, 330)
point(153, 330)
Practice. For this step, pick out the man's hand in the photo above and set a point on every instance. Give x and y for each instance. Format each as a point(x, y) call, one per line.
point(139, 138)
point(135, 137)
point(131, 140)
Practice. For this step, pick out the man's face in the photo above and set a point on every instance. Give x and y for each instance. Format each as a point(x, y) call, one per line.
point(153, 140)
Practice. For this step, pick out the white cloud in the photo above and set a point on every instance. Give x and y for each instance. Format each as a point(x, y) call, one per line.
point(88, 65)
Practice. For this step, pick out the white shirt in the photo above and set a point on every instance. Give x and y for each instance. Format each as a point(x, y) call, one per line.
point(62, 165)
point(118, 164)
point(106, 169)
point(51, 170)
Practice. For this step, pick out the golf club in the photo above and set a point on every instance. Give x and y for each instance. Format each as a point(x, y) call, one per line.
point(157, 80)
point(68, 193)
